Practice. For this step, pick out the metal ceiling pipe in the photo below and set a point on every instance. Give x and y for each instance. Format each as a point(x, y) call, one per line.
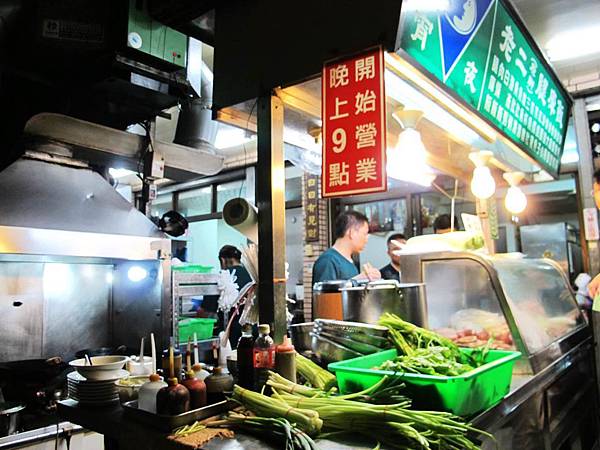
point(195, 127)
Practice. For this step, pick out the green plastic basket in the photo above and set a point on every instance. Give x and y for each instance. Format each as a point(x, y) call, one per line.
point(463, 395)
point(192, 268)
point(202, 327)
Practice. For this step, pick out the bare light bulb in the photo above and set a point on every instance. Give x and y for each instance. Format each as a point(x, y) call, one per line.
point(483, 185)
point(515, 200)
point(407, 160)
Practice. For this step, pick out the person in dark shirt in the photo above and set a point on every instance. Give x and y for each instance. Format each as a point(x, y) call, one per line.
point(392, 270)
point(351, 235)
point(230, 259)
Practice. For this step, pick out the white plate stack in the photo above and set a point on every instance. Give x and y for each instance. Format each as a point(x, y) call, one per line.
point(94, 392)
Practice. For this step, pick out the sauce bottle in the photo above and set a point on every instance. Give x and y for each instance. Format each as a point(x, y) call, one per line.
point(196, 387)
point(174, 398)
point(148, 391)
point(217, 384)
point(285, 360)
point(245, 358)
point(264, 358)
point(197, 390)
point(200, 372)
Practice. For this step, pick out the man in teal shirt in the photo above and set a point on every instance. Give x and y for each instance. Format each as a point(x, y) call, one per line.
point(351, 236)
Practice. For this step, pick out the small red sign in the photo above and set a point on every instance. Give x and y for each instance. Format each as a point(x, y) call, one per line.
point(353, 111)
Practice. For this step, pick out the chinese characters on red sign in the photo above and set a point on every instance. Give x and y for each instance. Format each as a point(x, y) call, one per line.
point(353, 111)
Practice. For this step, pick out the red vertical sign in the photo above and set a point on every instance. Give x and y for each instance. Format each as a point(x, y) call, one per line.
point(353, 111)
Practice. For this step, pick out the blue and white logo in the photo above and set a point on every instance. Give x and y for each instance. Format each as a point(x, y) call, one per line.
point(458, 26)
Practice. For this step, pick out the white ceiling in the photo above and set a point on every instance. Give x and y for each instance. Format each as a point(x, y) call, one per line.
point(546, 19)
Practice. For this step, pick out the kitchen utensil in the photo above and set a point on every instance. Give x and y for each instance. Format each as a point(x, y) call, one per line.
point(328, 351)
point(196, 356)
point(301, 335)
point(352, 327)
point(88, 360)
point(168, 423)
point(360, 347)
point(10, 417)
point(153, 345)
point(376, 341)
point(367, 303)
point(101, 368)
point(94, 392)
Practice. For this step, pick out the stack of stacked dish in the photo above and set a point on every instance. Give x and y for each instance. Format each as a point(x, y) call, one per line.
point(95, 384)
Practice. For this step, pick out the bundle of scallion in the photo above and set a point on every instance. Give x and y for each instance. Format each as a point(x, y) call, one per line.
point(276, 430)
point(315, 375)
point(261, 405)
point(396, 426)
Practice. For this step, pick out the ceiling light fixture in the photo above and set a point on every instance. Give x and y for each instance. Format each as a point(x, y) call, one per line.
point(515, 200)
point(483, 185)
point(573, 44)
point(407, 160)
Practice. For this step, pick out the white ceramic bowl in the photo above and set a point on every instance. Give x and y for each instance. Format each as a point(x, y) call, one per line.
point(129, 387)
point(102, 368)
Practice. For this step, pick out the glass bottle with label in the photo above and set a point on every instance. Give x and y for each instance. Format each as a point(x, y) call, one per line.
point(264, 357)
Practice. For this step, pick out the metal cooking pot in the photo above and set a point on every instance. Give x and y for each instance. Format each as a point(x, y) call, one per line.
point(10, 417)
point(327, 299)
point(368, 302)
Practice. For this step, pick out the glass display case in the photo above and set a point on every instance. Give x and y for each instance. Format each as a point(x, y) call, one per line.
point(518, 302)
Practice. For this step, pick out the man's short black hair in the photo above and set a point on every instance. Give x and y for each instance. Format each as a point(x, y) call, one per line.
point(597, 176)
point(347, 220)
point(230, 252)
point(396, 237)
point(442, 222)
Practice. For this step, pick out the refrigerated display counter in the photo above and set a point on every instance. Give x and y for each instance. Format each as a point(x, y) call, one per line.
point(525, 304)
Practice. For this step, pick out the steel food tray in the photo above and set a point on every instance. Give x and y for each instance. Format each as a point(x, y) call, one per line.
point(352, 327)
point(168, 423)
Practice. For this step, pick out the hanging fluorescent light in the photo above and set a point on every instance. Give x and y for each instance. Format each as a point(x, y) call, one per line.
point(515, 200)
point(407, 160)
point(483, 185)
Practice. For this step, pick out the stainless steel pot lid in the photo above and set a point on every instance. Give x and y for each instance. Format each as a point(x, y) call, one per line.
point(331, 286)
point(382, 284)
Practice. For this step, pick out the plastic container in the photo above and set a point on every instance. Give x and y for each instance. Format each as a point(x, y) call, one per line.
point(148, 391)
point(197, 390)
point(202, 327)
point(217, 385)
point(285, 360)
point(192, 268)
point(462, 395)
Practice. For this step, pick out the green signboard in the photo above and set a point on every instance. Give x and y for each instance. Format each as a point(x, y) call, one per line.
point(478, 50)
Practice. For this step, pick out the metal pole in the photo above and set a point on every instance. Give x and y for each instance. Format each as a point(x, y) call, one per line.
point(270, 200)
point(585, 174)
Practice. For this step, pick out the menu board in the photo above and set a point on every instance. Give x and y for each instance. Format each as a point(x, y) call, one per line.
point(481, 52)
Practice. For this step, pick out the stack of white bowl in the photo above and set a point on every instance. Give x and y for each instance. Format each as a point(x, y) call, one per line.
point(95, 384)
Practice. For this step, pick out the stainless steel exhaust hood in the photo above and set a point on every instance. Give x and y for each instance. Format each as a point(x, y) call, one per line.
point(54, 209)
